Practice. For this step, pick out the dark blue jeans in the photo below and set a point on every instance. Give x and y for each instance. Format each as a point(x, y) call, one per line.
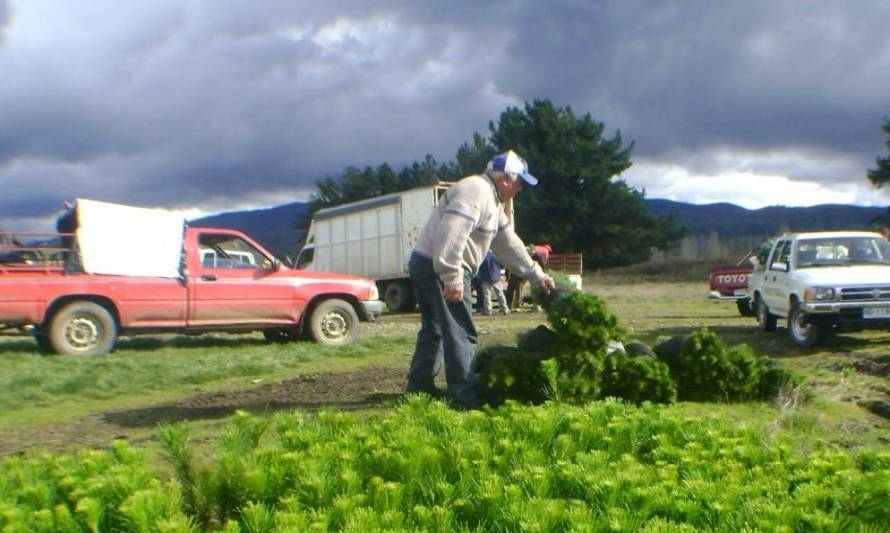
point(447, 334)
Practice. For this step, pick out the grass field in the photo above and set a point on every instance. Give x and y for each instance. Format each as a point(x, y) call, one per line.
point(50, 395)
point(212, 433)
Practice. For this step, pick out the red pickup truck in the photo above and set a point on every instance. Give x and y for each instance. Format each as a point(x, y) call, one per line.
point(731, 283)
point(221, 281)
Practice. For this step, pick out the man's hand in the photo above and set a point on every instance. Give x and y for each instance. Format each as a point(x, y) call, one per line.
point(454, 295)
point(547, 284)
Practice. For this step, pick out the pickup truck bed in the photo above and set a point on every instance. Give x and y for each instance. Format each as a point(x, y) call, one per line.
point(730, 282)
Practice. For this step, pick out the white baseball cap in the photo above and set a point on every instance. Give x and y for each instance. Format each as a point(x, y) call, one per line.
point(512, 164)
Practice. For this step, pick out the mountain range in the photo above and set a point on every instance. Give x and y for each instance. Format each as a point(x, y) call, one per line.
point(276, 227)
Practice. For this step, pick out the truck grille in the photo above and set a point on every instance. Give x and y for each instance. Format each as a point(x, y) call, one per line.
point(859, 294)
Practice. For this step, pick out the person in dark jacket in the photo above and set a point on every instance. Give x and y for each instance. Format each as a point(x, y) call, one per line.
point(489, 279)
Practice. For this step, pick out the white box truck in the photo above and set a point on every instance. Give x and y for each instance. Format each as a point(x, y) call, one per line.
point(372, 238)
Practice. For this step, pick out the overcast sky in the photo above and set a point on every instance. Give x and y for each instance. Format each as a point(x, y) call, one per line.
point(215, 105)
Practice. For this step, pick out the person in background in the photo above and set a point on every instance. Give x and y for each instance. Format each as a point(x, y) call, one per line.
point(517, 288)
point(489, 279)
point(541, 254)
point(468, 221)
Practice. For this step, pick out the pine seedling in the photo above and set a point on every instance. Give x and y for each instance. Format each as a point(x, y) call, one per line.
point(552, 386)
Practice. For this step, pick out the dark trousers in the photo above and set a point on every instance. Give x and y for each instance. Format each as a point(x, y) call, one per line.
point(514, 290)
point(447, 334)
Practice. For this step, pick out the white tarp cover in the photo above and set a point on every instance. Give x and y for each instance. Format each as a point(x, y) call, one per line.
point(128, 241)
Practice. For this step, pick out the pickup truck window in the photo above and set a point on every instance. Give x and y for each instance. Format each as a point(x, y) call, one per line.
point(843, 251)
point(781, 256)
point(229, 251)
point(306, 257)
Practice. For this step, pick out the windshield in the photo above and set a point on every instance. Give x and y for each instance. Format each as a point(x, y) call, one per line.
point(842, 251)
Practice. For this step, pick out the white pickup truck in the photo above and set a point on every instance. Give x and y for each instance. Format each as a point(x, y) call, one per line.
point(822, 281)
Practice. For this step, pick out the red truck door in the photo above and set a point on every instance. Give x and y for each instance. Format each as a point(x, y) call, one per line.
point(231, 281)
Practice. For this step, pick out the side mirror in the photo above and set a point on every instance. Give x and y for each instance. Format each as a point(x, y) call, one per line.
point(782, 267)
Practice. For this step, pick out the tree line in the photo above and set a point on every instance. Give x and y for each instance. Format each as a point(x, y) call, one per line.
point(581, 204)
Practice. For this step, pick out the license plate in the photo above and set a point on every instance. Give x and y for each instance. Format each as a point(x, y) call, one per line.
point(741, 292)
point(876, 312)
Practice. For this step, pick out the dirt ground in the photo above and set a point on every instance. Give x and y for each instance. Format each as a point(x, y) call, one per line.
point(362, 389)
point(373, 387)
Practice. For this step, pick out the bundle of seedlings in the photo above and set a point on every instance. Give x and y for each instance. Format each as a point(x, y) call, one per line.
point(586, 342)
point(706, 370)
point(593, 360)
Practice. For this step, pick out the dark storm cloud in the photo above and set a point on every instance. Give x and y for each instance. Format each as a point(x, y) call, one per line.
point(757, 75)
point(196, 104)
point(185, 103)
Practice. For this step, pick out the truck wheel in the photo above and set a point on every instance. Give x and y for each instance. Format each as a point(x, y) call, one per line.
point(802, 331)
point(82, 328)
point(766, 320)
point(334, 323)
point(399, 296)
point(744, 306)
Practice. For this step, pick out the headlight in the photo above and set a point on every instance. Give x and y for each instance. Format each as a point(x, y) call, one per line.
point(818, 294)
point(374, 294)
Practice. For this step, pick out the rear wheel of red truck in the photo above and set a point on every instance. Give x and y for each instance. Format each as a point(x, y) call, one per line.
point(399, 296)
point(82, 328)
point(334, 322)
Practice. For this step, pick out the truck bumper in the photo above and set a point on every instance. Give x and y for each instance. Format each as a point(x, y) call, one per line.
point(866, 314)
point(717, 295)
point(372, 308)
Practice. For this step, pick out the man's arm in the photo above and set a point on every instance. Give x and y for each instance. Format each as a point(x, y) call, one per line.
point(510, 249)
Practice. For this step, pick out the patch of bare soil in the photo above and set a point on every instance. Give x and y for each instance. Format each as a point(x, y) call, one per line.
point(873, 365)
point(367, 388)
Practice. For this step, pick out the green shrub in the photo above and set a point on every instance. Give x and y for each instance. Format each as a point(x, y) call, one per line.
point(637, 379)
point(505, 372)
point(776, 378)
point(583, 322)
point(564, 287)
point(694, 367)
point(581, 374)
point(541, 339)
point(95, 490)
point(707, 370)
point(604, 466)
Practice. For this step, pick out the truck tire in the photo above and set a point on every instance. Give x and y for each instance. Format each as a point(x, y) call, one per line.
point(745, 307)
point(399, 297)
point(82, 328)
point(801, 330)
point(765, 319)
point(334, 323)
